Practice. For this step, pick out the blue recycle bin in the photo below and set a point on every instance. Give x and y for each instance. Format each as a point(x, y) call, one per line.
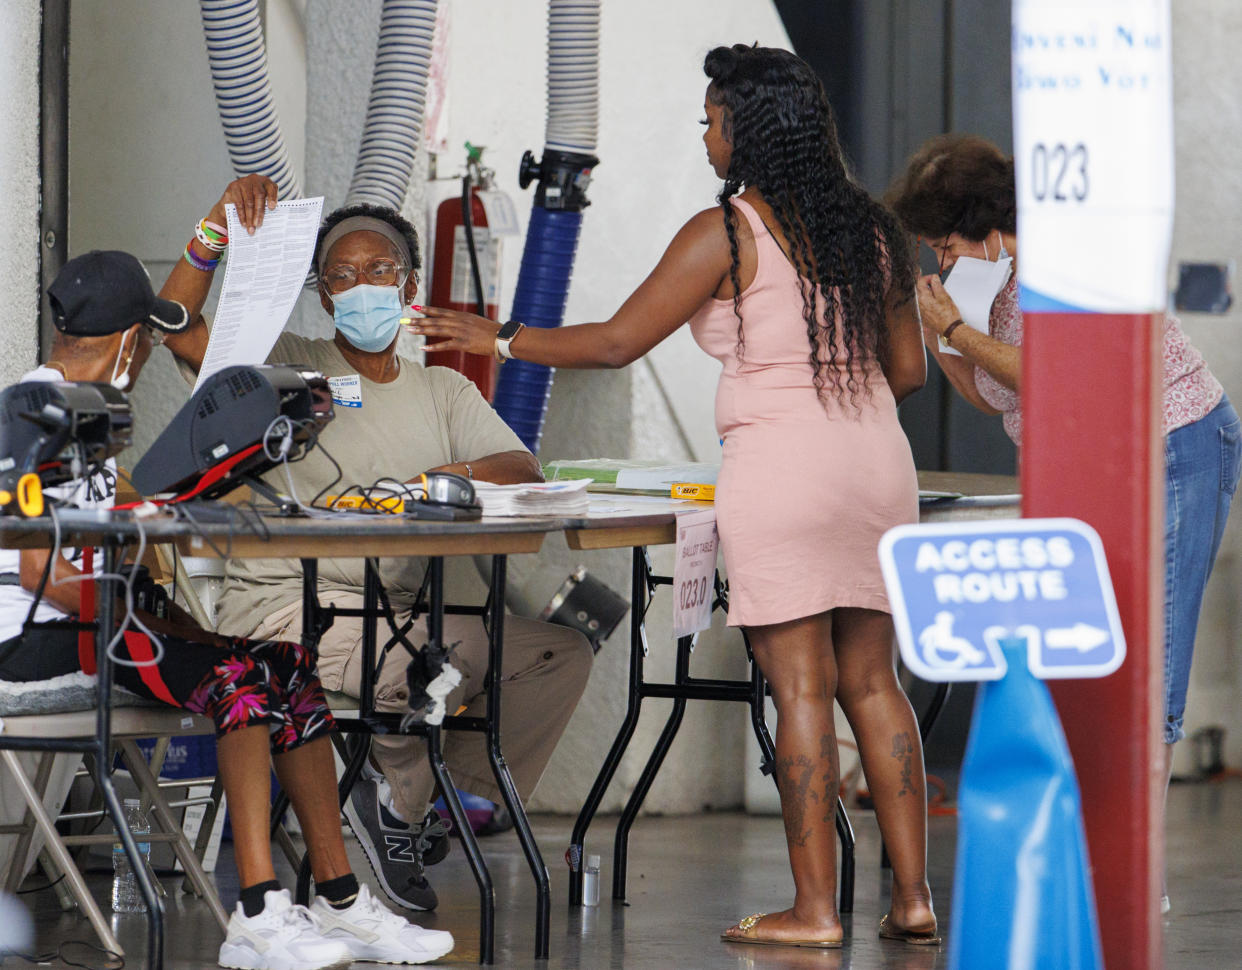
point(1022, 895)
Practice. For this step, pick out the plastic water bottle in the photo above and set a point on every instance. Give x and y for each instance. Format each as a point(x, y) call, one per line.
point(590, 881)
point(126, 896)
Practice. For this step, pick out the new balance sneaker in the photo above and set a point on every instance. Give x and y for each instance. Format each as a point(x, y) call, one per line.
point(373, 932)
point(282, 937)
point(391, 845)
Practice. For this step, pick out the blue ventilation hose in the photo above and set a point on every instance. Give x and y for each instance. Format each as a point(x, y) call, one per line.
point(564, 173)
point(523, 388)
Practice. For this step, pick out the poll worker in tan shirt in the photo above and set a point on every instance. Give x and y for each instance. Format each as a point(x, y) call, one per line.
point(394, 419)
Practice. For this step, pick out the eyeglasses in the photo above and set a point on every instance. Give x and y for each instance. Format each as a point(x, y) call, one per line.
point(378, 272)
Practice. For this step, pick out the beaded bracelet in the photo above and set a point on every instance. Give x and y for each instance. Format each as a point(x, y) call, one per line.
point(207, 234)
point(206, 265)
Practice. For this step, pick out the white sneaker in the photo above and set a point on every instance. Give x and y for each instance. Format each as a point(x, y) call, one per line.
point(373, 932)
point(282, 937)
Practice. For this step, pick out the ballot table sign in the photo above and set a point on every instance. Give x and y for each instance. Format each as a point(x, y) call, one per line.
point(1093, 154)
point(694, 571)
point(958, 588)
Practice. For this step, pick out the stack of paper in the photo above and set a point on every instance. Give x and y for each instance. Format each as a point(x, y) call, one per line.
point(534, 498)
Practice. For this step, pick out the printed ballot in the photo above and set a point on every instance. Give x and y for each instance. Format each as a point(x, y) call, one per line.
point(263, 275)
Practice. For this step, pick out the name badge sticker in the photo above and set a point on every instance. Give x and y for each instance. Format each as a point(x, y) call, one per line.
point(346, 391)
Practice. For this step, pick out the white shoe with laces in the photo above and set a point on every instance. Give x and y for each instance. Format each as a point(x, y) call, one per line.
point(373, 932)
point(282, 937)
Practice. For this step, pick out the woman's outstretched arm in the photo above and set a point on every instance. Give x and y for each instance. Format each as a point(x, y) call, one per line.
point(688, 274)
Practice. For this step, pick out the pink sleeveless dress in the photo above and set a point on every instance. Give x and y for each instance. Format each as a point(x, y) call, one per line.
point(806, 487)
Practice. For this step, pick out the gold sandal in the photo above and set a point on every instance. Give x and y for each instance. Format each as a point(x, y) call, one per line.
point(750, 922)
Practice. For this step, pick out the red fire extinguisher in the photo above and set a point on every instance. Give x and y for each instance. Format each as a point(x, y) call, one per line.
point(466, 268)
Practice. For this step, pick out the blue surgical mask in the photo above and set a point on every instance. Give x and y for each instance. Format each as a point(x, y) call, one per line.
point(368, 316)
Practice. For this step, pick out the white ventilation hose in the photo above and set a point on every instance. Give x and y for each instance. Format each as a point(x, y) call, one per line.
point(238, 59)
point(394, 122)
point(573, 76)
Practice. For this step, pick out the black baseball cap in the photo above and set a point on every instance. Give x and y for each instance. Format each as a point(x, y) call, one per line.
point(106, 291)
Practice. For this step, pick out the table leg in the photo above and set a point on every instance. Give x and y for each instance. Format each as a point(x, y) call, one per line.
point(310, 603)
point(370, 604)
point(575, 854)
point(509, 792)
point(469, 844)
point(621, 844)
point(105, 616)
point(310, 640)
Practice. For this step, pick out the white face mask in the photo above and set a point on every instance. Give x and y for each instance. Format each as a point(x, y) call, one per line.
point(121, 381)
point(974, 284)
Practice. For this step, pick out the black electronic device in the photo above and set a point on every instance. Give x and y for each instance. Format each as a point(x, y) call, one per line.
point(225, 435)
point(58, 431)
point(445, 488)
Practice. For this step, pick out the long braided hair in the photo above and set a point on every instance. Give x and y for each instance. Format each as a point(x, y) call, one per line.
point(849, 251)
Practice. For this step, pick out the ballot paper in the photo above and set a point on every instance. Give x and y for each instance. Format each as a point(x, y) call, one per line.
point(263, 275)
point(534, 498)
point(974, 284)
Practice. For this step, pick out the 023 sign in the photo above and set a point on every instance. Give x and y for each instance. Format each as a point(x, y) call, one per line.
point(694, 571)
point(1093, 153)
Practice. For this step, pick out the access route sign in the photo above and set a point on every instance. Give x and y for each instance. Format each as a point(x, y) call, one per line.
point(958, 588)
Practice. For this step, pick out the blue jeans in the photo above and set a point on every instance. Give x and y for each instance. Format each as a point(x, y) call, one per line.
point(1202, 462)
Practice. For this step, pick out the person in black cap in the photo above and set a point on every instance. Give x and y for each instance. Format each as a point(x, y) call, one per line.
point(264, 695)
point(106, 295)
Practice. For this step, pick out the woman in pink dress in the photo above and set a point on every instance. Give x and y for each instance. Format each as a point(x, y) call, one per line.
point(803, 287)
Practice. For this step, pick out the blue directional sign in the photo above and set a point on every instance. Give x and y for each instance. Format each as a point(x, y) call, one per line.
point(958, 588)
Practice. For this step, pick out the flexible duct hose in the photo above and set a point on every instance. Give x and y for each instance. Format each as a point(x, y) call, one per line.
point(395, 112)
point(238, 59)
point(523, 389)
point(573, 76)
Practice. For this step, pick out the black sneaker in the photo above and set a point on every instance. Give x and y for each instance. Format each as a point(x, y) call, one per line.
point(391, 846)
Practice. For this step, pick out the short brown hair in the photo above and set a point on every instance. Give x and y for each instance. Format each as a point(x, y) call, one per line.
point(956, 183)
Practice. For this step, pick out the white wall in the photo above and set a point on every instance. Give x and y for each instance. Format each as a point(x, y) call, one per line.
point(19, 187)
point(1208, 126)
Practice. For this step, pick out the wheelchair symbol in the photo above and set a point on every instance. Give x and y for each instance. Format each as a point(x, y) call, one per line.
point(944, 650)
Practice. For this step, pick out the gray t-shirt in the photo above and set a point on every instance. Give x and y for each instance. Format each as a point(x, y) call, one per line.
point(428, 416)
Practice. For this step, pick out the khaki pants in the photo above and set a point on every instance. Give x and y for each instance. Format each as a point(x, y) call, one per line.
point(545, 671)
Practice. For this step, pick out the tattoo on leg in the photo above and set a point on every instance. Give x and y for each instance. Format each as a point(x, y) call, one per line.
point(795, 791)
point(903, 748)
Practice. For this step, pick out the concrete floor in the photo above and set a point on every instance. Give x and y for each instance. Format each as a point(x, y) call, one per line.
point(690, 877)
